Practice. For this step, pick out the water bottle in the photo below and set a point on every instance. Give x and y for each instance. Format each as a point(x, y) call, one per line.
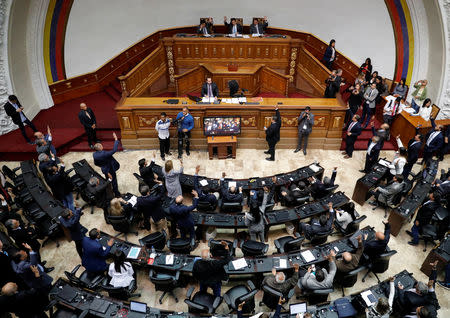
point(152, 250)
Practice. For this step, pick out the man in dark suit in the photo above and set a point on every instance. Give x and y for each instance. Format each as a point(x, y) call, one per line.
point(319, 225)
point(264, 196)
point(372, 153)
point(233, 27)
point(305, 124)
point(8, 274)
point(204, 194)
point(150, 206)
point(209, 88)
point(94, 255)
point(106, 161)
point(434, 141)
point(61, 186)
point(206, 27)
point(273, 134)
point(290, 194)
point(102, 192)
point(146, 172)
point(376, 247)
point(230, 194)
point(424, 216)
point(414, 146)
point(87, 119)
point(182, 215)
point(71, 221)
point(14, 109)
point(353, 131)
point(259, 28)
point(23, 235)
point(318, 187)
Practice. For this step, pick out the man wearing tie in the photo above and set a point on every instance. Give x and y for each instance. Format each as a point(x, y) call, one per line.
point(209, 89)
point(373, 151)
point(233, 28)
point(434, 141)
point(106, 161)
point(273, 134)
point(353, 131)
point(414, 146)
point(370, 95)
point(259, 28)
point(305, 124)
point(391, 108)
point(87, 119)
point(205, 27)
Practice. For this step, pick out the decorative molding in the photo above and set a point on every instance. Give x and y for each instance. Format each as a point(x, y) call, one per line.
point(444, 98)
point(6, 123)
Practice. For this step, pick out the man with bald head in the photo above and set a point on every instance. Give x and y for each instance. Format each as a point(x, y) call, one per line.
point(210, 272)
point(350, 261)
point(182, 216)
point(87, 119)
point(377, 246)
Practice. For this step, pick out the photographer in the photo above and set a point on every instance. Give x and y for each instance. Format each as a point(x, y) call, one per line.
point(185, 123)
point(305, 124)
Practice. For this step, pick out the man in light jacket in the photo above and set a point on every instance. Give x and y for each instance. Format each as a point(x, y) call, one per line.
point(370, 96)
point(386, 194)
point(321, 278)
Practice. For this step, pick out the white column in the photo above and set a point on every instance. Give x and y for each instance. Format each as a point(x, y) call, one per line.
point(444, 98)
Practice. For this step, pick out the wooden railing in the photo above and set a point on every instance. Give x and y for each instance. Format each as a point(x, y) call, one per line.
point(152, 68)
point(272, 81)
point(311, 69)
point(190, 81)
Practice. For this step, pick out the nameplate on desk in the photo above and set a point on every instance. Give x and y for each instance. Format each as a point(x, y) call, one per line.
point(239, 263)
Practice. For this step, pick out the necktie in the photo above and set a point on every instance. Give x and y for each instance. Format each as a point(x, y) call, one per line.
point(351, 126)
point(234, 29)
point(257, 28)
point(394, 109)
point(209, 90)
point(204, 31)
point(370, 94)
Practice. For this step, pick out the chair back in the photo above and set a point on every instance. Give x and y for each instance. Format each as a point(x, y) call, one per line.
point(179, 245)
point(120, 223)
point(164, 281)
point(217, 250)
point(270, 297)
point(231, 207)
point(381, 263)
point(205, 206)
point(353, 226)
point(156, 239)
point(254, 248)
point(320, 238)
point(140, 180)
point(8, 172)
point(294, 246)
point(349, 279)
point(318, 296)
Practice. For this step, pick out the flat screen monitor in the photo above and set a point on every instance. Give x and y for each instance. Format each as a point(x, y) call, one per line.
point(222, 125)
point(297, 308)
point(138, 307)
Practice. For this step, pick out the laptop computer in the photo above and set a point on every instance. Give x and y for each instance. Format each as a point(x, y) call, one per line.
point(295, 309)
point(138, 307)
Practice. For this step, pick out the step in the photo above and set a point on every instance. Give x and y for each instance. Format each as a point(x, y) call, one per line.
point(111, 91)
point(106, 134)
point(84, 147)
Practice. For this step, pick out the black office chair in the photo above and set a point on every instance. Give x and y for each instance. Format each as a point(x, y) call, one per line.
point(230, 207)
point(89, 198)
point(157, 240)
point(289, 244)
point(165, 281)
point(396, 199)
point(123, 293)
point(379, 265)
point(217, 250)
point(202, 303)
point(85, 280)
point(302, 200)
point(347, 280)
point(352, 227)
point(180, 245)
point(11, 174)
point(429, 235)
point(317, 296)
point(140, 180)
point(240, 293)
point(272, 296)
point(122, 224)
point(254, 248)
point(205, 206)
point(319, 238)
point(233, 85)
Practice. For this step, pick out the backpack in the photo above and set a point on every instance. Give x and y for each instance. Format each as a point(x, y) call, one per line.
point(344, 308)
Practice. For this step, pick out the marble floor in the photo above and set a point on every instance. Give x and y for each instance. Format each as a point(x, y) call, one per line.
point(248, 163)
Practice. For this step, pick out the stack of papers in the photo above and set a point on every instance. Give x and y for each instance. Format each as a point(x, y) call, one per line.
point(208, 99)
point(314, 167)
point(308, 256)
point(231, 184)
point(384, 162)
point(133, 200)
point(239, 263)
point(203, 182)
point(169, 259)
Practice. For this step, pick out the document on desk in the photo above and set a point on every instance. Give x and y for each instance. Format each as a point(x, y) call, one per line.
point(231, 184)
point(242, 99)
point(314, 167)
point(257, 315)
point(384, 163)
point(169, 259)
point(235, 101)
point(279, 263)
point(133, 200)
point(208, 99)
point(246, 36)
point(203, 182)
point(307, 256)
point(134, 252)
point(368, 297)
point(239, 263)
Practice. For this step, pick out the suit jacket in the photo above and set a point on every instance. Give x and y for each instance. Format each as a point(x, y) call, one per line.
point(102, 192)
point(151, 205)
point(59, 184)
point(370, 98)
point(437, 141)
point(24, 271)
point(374, 153)
point(273, 131)
point(426, 212)
point(11, 112)
point(302, 121)
point(94, 255)
point(214, 89)
point(8, 274)
point(355, 131)
point(77, 231)
point(229, 27)
point(283, 287)
point(85, 120)
point(182, 213)
point(26, 303)
point(204, 197)
point(259, 196)
point(310, 282)
point(388, 192)
point(21, 235)
point(344, 267)
point(328, 53)
point(375, 248)
point(210, 272)
point(147, 174)
point(413, 151)
point(261, 27)
point(227, 196)
point(105, 160)
point(315, 228)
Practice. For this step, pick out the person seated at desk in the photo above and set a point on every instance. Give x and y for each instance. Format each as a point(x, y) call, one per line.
point(23, 235)
point(206, 27)
point(376, 247)
point(210, 272)
point(210, 89)
point(204, 194)
point(146, 171)
point(383, 307)
point(425, 110)
point(349, 260)
point(318, 187)
point(119, 207)
point(263, 197)
point(424, 216)
point(259, 28)
point(345, 215)
point(94, 255)
point(392, 107)
point(385, 194)
point(279, 282)
point(414, 146)
point(230, 194)
point(233, 27)
point(254, 220)
point(182, 215)
point(319, 278)
point(103, 193)
point(434, 141)
point(121, 272)
point(400, 89)
point(150, 206)
point(319, 226)
point(290, 195)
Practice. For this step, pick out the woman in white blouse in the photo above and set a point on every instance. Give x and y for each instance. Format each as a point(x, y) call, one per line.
point(396, 166)
point(121, 272)
point(425, 110)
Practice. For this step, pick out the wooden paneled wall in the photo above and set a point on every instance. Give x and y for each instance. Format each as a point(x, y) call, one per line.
point(312, 70)
point(191, 80)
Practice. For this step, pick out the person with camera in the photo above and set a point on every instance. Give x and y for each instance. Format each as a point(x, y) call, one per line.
point(185, 123)
point(305, 124)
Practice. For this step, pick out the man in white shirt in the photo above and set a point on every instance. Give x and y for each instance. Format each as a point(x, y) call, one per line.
point(392, 107)
point(162, 127)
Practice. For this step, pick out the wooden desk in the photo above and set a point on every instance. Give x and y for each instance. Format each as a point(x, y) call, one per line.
point(436, 255)
point(222, 143)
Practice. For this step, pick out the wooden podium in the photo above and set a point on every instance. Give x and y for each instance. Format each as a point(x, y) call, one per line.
point(222, 143)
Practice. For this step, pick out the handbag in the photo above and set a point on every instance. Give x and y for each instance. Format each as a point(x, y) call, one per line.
point(344, 308)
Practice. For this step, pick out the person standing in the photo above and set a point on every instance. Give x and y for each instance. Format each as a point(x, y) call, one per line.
point(106, 162)
point(372, 154)
point(434, 141)
point(14, 109)
point(414, 146)
point(330, 55)
point(305, 124)
point(370, 96)
point(61, 187)
point(366, 69)
point(185, 124)
point(162, 127)
point(87, 119)
point(94, 254)
point(44, 141)
point(210, 89)
point(172, 179)
point(353, 131)
point(419, 95)
point(182, 215)
point(273, 134)
point(71, 221)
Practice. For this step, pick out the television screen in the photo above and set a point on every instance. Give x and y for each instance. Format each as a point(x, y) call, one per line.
point(222, 126)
